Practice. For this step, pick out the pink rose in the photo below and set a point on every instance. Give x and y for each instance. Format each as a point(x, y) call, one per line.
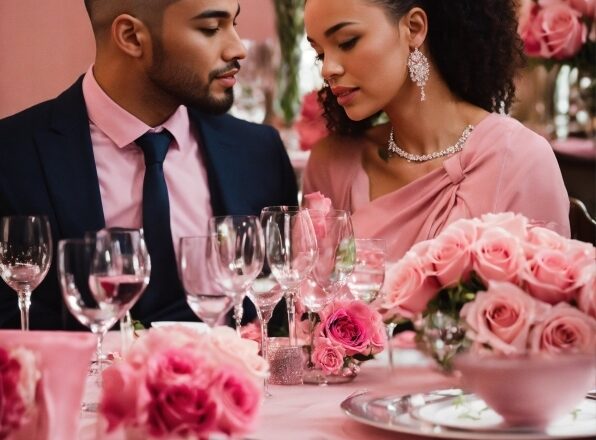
point(251, 331)
point(328, 356)
point(553, 31)
point(564, 329)
point(498, 256)
point(585, 7)
point(552, 276)
point(180, 401)
point(543, 238)
point(123, 394)
point(239, 401)
point(502, 317)
point(586, 298)
point(318, 202)
point(450, 253)
point(12, 406)
point(311, 126)
point(409, 286)
point(353, 325)
point(514, 224)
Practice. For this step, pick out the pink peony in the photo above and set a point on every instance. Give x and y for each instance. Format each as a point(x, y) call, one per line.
point(353, 325)
point(553, 276)
point(12, 406)
point(564, 329)
point(327, 356)
point(502, 317)
point(498, 255)
point(450, 253)
point(239, 401)
point(553, 31)
point(409, 286)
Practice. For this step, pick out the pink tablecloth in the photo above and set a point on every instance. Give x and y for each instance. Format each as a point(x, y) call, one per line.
point(310, 412)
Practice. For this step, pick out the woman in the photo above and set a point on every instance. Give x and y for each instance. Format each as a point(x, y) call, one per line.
point(442, 71)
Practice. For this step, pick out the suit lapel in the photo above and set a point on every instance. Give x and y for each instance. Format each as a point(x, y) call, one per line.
point(67, 158)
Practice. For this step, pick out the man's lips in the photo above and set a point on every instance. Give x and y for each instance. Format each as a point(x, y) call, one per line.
point(227, 79)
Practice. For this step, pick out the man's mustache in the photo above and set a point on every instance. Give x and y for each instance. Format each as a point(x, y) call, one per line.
point(235, 64)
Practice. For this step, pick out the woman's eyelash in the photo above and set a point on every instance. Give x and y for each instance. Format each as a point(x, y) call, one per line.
point(209, 31)
point(348, 44)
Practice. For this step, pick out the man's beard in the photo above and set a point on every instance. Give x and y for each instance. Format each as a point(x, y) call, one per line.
point(185, 86)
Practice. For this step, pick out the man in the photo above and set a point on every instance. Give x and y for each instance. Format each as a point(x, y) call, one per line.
point(90, 158)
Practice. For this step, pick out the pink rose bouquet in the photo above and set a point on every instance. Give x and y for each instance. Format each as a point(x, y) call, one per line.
point(19, 377)
point(559, 30)
point(178, 383)
point(517, 289)
point(311, 125)
point(346, 333)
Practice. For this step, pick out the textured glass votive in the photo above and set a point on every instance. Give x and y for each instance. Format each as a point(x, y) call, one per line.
point(286, 362)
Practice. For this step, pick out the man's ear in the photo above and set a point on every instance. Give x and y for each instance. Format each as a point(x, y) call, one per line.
point(131, 35)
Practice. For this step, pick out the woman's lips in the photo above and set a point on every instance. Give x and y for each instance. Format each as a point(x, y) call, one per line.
point(344, 95)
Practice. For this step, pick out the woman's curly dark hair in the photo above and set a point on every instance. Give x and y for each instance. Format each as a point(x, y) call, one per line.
point(473, 43)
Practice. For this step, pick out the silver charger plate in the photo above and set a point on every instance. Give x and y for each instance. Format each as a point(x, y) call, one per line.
point(401, 413)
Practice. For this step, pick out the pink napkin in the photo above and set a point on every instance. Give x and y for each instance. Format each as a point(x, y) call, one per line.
point(63, 359)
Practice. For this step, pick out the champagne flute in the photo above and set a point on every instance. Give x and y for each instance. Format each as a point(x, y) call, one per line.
point(291, 249)
point(205, 299)
point(239, 253)
point(265, 294)
point(25, 257)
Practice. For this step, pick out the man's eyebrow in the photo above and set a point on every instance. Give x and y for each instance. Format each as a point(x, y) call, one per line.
point(214, 13)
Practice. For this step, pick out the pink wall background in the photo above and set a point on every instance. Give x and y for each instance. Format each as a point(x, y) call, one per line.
point(46, 44)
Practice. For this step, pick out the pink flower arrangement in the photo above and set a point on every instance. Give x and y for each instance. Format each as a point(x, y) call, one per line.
point(518, 288)
point(311, 125)
point(345, 333)
point(178, 383)
point(558, 29)
point(19, 376)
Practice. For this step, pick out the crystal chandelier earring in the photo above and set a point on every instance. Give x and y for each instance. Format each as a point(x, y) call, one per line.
point(419, 70)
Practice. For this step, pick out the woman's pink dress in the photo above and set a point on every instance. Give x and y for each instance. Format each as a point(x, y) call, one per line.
point(503, 166)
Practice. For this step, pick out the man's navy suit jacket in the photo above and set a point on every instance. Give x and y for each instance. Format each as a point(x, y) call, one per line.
point(47, 167)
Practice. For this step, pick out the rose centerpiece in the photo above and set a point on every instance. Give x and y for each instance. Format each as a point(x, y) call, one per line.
point(178, 383)
point(496, 284)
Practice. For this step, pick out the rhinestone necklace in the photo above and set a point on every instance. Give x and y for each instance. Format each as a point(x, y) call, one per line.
point(394, 150)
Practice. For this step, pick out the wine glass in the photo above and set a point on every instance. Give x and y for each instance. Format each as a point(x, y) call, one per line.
point(25, 257)
point(239, 253)
point(366, 280)
point(335, 263)
point(291, 249)
point(265, 294)
point(205, 299)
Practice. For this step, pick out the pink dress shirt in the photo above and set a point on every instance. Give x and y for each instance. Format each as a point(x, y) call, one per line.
point(121, 167)
point(503, 166)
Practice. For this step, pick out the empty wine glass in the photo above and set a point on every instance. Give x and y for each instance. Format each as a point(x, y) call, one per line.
point(335, 262)
point(265, 294)
point(291, 248)
point(366, 280)
point(203, 296)
point(239, 253)
point(25, 257)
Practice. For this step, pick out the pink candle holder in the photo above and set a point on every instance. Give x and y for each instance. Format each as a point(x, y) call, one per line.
point(286, 362)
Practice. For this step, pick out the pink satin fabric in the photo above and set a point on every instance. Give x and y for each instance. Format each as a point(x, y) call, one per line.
point(64, 359)
point(503, 167)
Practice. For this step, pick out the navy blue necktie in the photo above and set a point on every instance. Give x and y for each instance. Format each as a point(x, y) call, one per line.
point(156, 224)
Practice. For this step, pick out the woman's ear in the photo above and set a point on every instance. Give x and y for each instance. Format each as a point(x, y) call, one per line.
point(131, 35)
point(417, 24)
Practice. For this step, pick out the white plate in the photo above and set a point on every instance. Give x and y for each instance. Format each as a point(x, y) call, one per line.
point(200, 327)
point(394, 413)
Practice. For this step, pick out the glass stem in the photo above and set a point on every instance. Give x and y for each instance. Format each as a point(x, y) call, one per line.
point(311, 333)
point(390, 328)
point(24, 304)
point(99, 356)
point(265, 351)
point(238, 312)
point(291, 306)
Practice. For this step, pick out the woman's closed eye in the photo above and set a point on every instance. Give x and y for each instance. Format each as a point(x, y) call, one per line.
point(349, 44)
